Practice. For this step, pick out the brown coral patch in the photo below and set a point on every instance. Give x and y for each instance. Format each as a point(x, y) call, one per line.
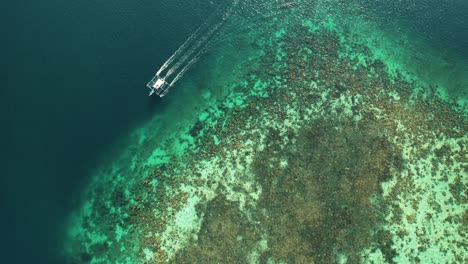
point(225, 236)
point(326, 202)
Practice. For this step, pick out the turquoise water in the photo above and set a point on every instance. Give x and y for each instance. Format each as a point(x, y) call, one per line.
point(310, 132)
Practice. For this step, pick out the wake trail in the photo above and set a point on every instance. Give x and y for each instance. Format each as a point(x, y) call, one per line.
point(195, 58)
point(189, 52)
point(192, 51)
point(182, 72)
point(182, 48)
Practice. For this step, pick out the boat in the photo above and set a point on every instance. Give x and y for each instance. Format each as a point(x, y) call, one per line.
point(158, 86)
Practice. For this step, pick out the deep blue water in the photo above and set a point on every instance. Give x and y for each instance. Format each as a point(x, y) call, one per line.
point(74, 82)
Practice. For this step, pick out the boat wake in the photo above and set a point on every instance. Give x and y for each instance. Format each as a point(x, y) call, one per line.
point(187, 54)
point(248, 13)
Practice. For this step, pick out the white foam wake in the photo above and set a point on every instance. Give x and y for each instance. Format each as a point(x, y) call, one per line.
point(188, 53)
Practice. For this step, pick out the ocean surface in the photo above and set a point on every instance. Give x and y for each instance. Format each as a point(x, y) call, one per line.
point(269, 131)
point(75, 82)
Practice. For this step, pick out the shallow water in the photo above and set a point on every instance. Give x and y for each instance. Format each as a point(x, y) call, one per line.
point(310, 132)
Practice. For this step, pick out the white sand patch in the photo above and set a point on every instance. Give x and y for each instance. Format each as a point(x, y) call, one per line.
point(149, 255)
point(185, 225)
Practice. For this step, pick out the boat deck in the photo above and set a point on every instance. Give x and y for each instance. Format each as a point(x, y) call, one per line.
point(158, 86)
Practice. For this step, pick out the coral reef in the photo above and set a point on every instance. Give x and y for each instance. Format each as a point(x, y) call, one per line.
point(320, 149)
